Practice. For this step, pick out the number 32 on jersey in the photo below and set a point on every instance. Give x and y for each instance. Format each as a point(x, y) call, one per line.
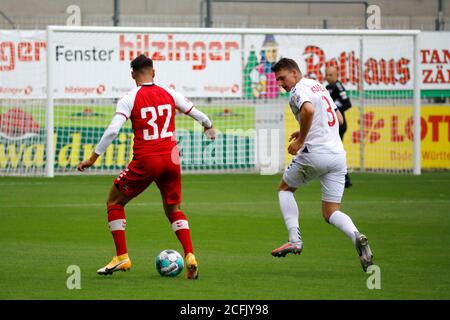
point(154, 113)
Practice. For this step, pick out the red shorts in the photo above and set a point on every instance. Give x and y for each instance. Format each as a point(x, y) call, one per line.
point(141, 173)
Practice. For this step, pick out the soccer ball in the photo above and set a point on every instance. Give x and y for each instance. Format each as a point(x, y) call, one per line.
point(169, 263)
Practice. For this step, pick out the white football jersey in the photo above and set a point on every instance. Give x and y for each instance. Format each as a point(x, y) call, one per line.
point(323, 136)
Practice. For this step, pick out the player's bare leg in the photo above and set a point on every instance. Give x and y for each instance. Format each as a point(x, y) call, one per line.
point(332, 214)
point(117, 222)
point(181, 228)
point(289, 210)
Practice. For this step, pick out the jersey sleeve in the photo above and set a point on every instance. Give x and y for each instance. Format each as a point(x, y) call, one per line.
point(186, 106)
point(298, 98)
point(110, 133)
point(125, 106)
point(182, 103)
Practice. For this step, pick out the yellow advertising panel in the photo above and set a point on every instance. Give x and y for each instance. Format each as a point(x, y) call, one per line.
point(436, 137)
point(387, 136)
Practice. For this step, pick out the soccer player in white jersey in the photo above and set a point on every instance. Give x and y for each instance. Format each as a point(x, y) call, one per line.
point(319, 153)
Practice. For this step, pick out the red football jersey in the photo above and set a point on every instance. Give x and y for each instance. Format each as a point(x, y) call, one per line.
point(151, 109)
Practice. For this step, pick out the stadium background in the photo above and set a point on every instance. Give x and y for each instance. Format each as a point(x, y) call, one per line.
point(400, 14)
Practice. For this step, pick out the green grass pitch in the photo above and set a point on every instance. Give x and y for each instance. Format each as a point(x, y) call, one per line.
point(50, 224)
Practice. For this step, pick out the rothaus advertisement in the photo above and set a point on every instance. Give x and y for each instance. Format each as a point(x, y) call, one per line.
point(387, 61)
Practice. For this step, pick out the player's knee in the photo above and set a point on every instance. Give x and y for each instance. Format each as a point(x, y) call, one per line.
point(284, 187)
point(328, 208)
point(326, 216)
point(116, 201)
point(171, 208)
point(110, 202)
point(116, 197)
point(328, 212)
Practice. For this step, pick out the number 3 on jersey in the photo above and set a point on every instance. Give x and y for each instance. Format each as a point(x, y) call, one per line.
point(330, 111)
point(154, 115)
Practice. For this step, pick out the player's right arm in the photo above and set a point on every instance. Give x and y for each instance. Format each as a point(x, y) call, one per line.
point(306, 117)
point(123, 111)
point(300, 101)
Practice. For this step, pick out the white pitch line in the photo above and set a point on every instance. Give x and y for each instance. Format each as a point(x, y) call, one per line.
point(238, 203)
point(193, 182)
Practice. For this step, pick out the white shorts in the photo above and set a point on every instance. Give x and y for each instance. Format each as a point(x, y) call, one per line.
point(328, 167)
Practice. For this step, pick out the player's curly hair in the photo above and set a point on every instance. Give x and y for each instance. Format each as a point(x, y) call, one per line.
point(141, 62)
point(285, 64)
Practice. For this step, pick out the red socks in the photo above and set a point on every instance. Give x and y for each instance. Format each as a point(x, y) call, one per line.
point(117, 223)
point(181, 227)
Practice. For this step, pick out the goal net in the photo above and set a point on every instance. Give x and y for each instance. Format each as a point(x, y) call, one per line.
point(226, 73)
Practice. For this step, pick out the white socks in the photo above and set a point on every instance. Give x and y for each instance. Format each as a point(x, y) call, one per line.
point(289, 209)
point(344, 223)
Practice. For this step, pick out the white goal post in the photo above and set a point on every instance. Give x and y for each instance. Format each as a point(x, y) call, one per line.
point(226, 73)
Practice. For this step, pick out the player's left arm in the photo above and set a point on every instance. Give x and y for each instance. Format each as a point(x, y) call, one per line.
point(337, 110)
point(339, 116)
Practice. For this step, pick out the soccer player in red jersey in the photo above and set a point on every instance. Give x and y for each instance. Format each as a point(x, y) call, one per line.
point(156, 158)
